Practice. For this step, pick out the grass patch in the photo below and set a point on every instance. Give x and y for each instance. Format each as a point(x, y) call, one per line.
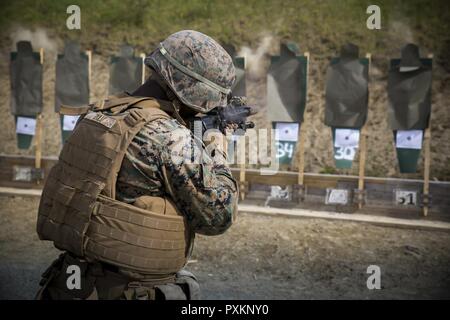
point(308, 22)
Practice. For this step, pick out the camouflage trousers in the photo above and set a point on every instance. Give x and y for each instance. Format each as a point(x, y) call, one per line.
point(100, 281)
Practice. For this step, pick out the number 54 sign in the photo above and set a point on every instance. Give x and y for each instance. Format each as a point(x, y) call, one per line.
point(285, 151)
point(286, 135)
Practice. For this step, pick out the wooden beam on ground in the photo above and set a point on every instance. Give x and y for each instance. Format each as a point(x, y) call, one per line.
point(296, 213)
point(385, 221)
point(252, 176)
point(20, 192)
point(285, 178)
point(9, 164)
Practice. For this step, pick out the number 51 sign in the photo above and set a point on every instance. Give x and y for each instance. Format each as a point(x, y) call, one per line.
point(405, 198)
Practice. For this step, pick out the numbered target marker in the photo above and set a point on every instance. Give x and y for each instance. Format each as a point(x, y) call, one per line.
point(405, 198)
point(22, 173)
point(336, 196)
point(285, 149)
point(286, 136)
point(346, 144)
point(345, 153)
point(277, 192)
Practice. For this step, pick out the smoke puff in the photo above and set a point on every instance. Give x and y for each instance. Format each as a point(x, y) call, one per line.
point(38, 38)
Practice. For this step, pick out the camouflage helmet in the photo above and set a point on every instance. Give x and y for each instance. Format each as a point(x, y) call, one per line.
point(197, 69)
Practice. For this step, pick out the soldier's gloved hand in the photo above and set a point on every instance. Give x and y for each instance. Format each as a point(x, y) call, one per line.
point(232, 127)
point(216, 145)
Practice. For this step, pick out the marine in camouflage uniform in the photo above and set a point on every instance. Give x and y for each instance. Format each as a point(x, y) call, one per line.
point(155, 165)
point(164, 159)
point(203, 189)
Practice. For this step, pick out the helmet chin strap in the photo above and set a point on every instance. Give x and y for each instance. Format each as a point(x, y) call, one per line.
point(176, 103)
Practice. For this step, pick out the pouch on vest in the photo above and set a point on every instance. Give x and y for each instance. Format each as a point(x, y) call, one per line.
point(185, 288)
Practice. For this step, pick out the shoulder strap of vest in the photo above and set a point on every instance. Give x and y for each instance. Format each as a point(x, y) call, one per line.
point(135, 112)
point(118, 104)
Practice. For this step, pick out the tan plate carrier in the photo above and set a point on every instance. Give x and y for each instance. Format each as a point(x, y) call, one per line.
point(78, 210)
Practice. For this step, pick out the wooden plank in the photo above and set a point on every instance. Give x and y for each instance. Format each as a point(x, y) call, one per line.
point(379, 220)
point(89, 55)
point(20, 192)
point(362, 165)
point(281, 178)
point(41, 55)
point(299, 213)
point(299, 185)
point(302, 132)
point(380, 197)
point(242, 184)
point(38, 134)
point(301, 154)
point(8, 162)
point(142, 55)
point(363, 150)
point(284, 178)
point(426, 164)
point(241, 159)
point(37, 142)
point(426, 171)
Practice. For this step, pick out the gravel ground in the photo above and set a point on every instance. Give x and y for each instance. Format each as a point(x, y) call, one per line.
point(264, 257)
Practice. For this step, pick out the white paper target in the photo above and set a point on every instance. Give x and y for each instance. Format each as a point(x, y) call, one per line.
point(409, 139)
point(346, 138)
point(286, 131)
point(69, 122)
point(26, 125)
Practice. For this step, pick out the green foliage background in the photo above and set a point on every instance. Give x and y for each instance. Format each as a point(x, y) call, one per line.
point(309, 22)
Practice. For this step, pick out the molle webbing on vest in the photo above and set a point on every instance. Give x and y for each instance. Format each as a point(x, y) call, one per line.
point(78, 210)
point(158, 241)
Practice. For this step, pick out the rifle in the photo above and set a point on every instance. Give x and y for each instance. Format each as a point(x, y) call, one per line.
point(235, 115)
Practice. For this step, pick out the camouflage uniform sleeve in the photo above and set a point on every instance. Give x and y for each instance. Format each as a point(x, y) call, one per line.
point(201, 186)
